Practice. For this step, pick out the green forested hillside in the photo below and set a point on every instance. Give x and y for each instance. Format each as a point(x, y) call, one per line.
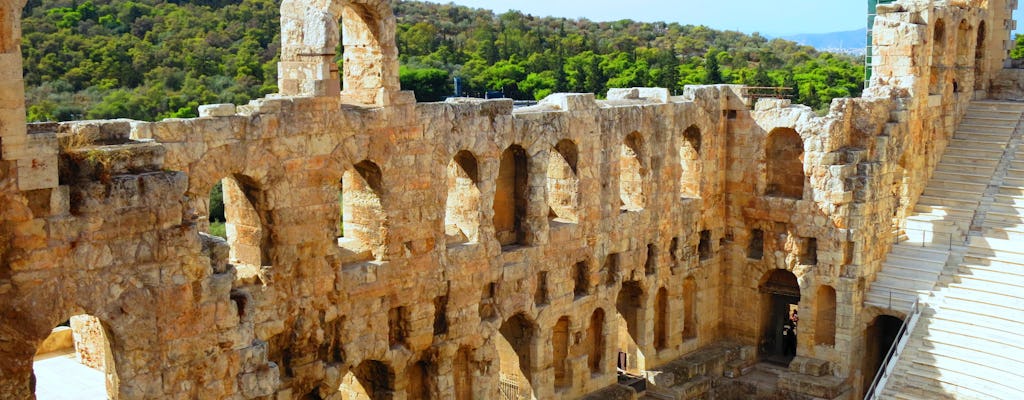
point(150, 59)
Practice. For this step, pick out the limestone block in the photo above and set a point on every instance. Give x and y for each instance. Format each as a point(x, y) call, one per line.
point(217, 110)
point(37, 173)
point(13, 123)
point(571, 101)
point(623, 94)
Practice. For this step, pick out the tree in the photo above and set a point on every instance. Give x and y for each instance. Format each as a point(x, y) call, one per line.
point(712, 72)
point(429, 84)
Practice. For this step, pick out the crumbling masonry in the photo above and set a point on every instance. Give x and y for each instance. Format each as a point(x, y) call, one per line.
point(477, 246)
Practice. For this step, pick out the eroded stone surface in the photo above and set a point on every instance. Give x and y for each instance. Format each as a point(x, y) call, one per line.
point(549, 258)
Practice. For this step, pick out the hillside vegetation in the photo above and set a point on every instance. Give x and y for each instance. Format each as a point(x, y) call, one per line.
point(148, 59)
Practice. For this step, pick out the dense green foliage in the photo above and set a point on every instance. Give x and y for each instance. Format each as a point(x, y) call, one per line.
point(530, 57)
point(150, 59)
point(1017, 52)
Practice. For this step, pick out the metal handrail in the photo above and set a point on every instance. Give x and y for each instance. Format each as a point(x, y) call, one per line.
point(889, 362)
point(924, 233)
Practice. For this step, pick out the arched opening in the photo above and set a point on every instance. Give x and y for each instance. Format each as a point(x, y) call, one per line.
point(785, 158)
point(515, 354)
point(979, 58)
point(511, 197)
point(964, 61)
point(780, 298)
point(689, 156)
point(632, 173)
point(462, 369)
point(364, 59)
point(936, 78)
point(76, 361)
point(363, 217)
point(311, 41)
point(560, 352)
point(370, 380)
point(595, 339)
point(879, 337)
point(689, 308)
point(462, 207)
point(629, 305)
point(563, 183)
point(825, 316)
point(661, 319)
point(420, 381)
point(232, 215)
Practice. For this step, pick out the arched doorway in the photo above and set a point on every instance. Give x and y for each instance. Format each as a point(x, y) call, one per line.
point(780, 297)
point(370, 380)
point(630, 307)
point(76, 361)
point(878, 337)
point(515, 355)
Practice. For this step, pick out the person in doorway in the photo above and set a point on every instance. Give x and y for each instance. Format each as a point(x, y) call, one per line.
point(788, 337)
point(794, 318)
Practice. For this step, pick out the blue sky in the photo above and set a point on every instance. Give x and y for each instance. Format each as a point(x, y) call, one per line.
point(767, 17)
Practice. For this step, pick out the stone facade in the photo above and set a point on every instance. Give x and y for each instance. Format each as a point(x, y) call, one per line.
point(479, 245)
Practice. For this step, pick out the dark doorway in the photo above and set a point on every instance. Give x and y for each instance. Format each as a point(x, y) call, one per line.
point(879, 336)
point(780, 297)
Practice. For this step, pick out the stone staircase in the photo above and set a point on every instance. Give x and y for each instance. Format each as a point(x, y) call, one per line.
point(969, 340)
point(947, 208)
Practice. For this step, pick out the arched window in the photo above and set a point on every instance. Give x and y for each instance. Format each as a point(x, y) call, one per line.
point(936, 77)
point(632, 173)
point(964, 61)
point(563, 183)
point(689, 156)
point(511, 197)
point(825, 316)
point(363, 217)
point(595, 341)
point(979, 58)
point(311, 41)
point(785, 153)
point(462, 208)
point(232, 215)
point(661, 319)
point(560, 350)
point(689, 308)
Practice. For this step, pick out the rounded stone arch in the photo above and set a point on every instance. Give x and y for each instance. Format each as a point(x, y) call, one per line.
point(964, 60)
point(310, 37)
point(690, 144)
point(244, 187)
point(517, 341)
point(463, 201)
point(633, 172)
point(780, 293)
point(631, 307)
point(563, 182)
point(784, 159)
point(26, 328)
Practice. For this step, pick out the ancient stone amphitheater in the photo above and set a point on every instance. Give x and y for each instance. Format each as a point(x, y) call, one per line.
point(646, 245)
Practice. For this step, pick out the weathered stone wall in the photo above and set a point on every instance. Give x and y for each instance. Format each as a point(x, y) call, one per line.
point(411, 300)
